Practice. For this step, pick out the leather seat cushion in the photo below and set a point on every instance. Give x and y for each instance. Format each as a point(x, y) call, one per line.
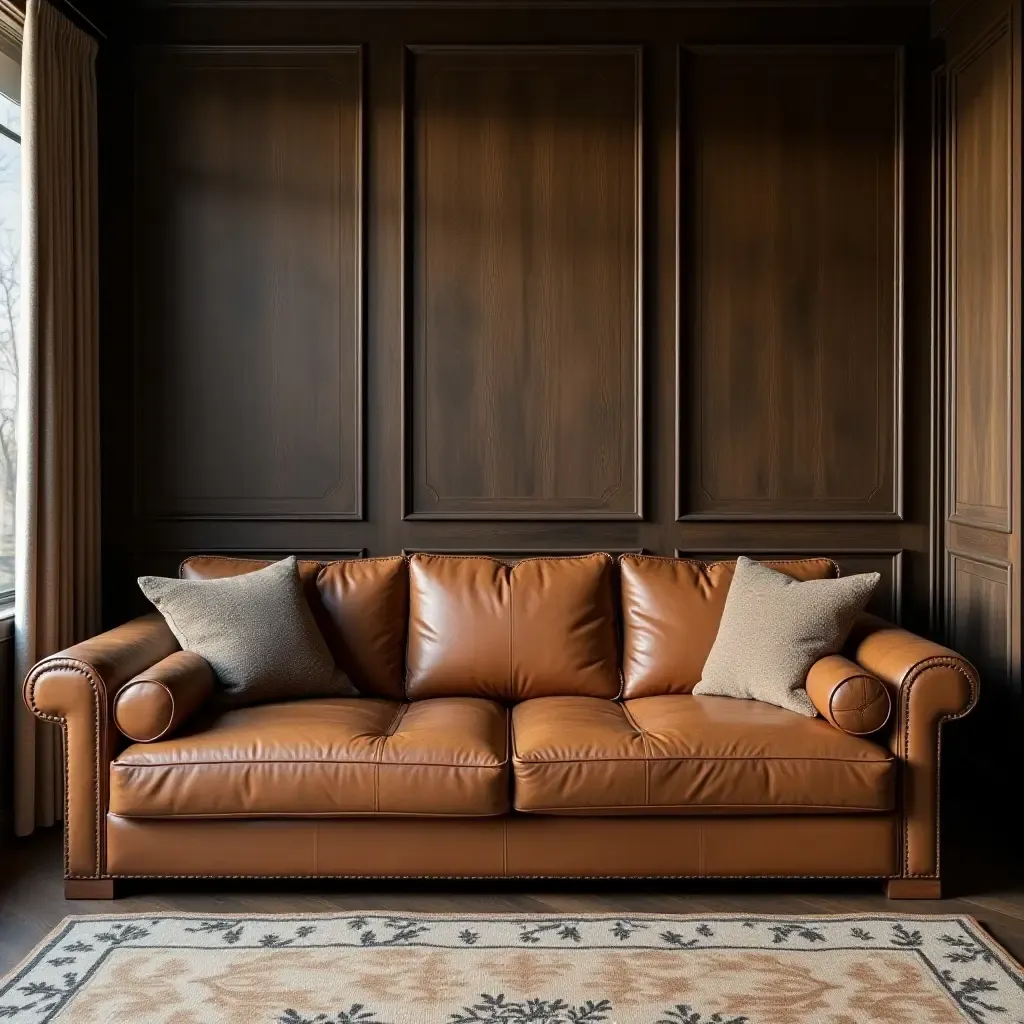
point(324, 758)
point(676, 754)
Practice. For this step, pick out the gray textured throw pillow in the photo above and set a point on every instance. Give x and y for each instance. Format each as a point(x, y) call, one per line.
point(774, 628)
point(256, 631)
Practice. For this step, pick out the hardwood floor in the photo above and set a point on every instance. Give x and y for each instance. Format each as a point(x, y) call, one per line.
point(982, 883)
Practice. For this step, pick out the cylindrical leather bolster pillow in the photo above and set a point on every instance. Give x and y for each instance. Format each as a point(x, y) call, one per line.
point(850, 698)
point(156, 702)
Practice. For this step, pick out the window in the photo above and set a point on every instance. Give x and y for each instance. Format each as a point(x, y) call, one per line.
point(10, 293)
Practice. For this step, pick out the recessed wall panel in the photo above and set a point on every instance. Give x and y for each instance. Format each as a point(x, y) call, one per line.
point(980, 611)
point(249, 358)
point(523, 337)
point(980, 324)
point(790, 239)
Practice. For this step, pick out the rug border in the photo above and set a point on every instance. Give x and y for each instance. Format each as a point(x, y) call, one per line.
point(1011, 966)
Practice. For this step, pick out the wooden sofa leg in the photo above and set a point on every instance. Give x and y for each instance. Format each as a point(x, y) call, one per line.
point(88, 888)
point(914, 889)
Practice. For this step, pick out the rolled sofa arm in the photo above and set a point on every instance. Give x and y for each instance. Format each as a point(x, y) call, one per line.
point(930, 685)
point(76, 688)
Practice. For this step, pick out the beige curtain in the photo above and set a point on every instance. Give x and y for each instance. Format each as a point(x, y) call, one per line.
point(57, 582)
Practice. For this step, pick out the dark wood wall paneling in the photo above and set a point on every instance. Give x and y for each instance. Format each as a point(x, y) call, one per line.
point(249, 225)
point(794, 266)
point(524, 335)
point(523, 281)
point(979, 211)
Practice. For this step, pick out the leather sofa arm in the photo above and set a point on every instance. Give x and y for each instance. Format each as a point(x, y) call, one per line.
point(846, 696)
point(76, 689)
point(929, 685)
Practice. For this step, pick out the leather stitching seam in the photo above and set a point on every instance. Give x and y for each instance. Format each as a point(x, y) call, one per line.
point(491, 877)
point(699, 810)
point(274, 815)
point(377, 760)
point(863, 706)
point(166, 729)
point(647, 754)
point(866, 703)
point(97, 686)
point(710, 757)
point(392, 728)
point(511, 637)
point(906, 684)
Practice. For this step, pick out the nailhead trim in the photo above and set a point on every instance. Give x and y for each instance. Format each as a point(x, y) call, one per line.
point(81, 668)
point(494, 878)
point(906, 685)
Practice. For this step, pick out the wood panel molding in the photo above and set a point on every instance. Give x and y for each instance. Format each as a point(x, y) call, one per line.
point(989, 545)
point(523, 395)
point(790, 343)
point(943, 14)
point(887, 600)
point(250, 211)
point(980, 332)
point(937, 354)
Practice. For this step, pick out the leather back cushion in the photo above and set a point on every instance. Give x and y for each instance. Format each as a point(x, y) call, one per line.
point(544, 627)
point(360, 605)
point(367, 603)
point(671, 609)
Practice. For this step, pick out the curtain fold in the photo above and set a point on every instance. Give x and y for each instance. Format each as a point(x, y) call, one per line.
point(57, 570)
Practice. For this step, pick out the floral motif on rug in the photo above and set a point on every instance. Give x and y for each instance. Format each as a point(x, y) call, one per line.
point(512, 969)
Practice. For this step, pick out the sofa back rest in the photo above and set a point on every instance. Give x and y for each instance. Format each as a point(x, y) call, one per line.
point(360, 604)
point(544, 627)
point(671, 609)
point(367, 602)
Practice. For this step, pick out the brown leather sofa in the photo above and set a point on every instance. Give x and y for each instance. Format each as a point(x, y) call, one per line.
point(514, 722)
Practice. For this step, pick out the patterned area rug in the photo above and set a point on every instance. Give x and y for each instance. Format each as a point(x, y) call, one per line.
point(493, 969)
